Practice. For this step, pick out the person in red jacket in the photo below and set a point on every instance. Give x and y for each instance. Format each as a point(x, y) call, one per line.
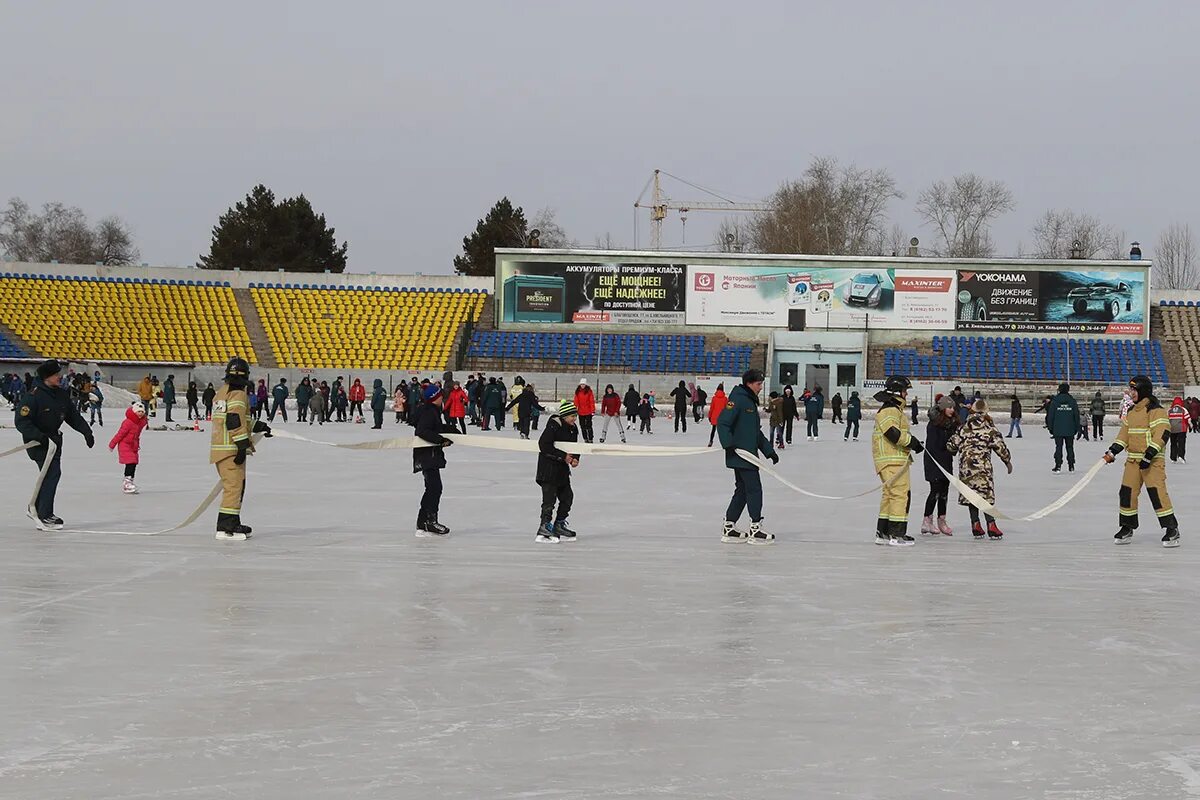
point(128, 442)
point(456, 407)
point(610, 409)
point(358, 393)
point(585, 403)
point(1180, 420)
point(719, 399)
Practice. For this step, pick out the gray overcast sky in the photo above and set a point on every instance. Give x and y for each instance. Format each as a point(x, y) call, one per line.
point(404, 122)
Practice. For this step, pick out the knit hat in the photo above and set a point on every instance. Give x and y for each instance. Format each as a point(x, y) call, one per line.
point(567, 409)
point(944, 403)
point(583, 381)
point(430, 392)
point(48, 368)
point(979, 406)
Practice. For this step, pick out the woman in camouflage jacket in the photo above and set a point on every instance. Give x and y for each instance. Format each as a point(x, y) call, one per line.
point(974, 442)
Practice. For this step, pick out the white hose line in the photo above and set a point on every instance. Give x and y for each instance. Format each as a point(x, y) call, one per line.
point(983, 505)
point(515, 445)
point(21, 449)
point(765, 467)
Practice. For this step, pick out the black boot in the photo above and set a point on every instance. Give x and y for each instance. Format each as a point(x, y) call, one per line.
point(1171, 537)
point(899, 535)
point(1124, 536)
point(881, 532)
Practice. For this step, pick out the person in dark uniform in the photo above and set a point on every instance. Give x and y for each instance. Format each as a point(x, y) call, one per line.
point(39, 416)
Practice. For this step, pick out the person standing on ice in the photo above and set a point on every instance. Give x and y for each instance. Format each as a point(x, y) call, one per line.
point(96, 404)
point(814, 409)
point(304, 392)
point(229, 446)
point(790, 412)
point(740, 428)
point(942, 423)
point(585, 403)
point(168, 396)
point(358, 395)
point(891, 444)
point(279, 396)
point(974, 442)
point(378, 403)
point(719, 401)
point(1062, 418)
point(192, 396)
point(554, 474)
point(682, 397)
point(1178, 414)
point(853, 416)
point(399, 401)
point(430, 461)
point(1145, 432)
point(1014, 417)
point(1098, 410)
point(631, 402)
point(836, 405)
point(318, 405)
point(128, 442)
point(610, 409)
point(209, 397)
point(39, 417)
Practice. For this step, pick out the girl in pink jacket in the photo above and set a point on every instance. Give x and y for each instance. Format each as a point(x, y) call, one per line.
point(128, 442)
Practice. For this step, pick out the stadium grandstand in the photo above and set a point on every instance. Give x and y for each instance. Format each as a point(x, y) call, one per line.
point(654, 318)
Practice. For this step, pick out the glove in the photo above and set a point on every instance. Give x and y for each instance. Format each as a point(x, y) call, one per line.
point(915, 446)
point(1109, 457)
point(731, 451)
point(240, 458)
point(447, 443)
point(774, 458)
point(1145, 463)
point(263, 428)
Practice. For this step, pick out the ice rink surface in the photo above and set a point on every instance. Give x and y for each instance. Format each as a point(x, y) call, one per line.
point(336, 656)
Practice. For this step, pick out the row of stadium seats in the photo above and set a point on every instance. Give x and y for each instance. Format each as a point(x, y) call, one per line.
point(361, 289)
point(1007, 358)
point(636, 352)
point(95, 319)
point(363, 327)
point(1179, 303)
point(10, 349)
point(1181, 325)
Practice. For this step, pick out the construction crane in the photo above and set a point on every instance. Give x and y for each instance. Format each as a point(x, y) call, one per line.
point(659, 205)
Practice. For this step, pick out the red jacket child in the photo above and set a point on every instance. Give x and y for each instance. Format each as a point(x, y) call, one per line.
point(456, 403)
point(128, 439)
point(585, 400)
point(358, 392)
point(610, 405)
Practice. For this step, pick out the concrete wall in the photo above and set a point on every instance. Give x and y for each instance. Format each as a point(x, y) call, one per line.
point(827, 348)
point(240, 280)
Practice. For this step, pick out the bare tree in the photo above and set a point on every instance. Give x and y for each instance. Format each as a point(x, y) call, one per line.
point(1056, 232)
point(605, 242)
point(62, 233)
point(829, 211)
point(1175, 259)
point(732, 235)
point(552, 234)
point(960, 212)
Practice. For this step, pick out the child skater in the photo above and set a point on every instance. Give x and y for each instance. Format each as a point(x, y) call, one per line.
point(645, 414)
point(974, 443)
point(554, 474)
point(942, 424)
point(129, 439)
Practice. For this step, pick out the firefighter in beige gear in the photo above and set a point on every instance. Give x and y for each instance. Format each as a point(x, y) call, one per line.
point(891, 444)
point(231, 443)
point(1144, 434)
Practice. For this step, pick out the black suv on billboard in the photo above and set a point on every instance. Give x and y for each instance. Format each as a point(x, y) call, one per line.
point(1109, 298)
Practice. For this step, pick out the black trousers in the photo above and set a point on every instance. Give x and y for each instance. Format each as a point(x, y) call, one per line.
point(562, 495)
point(849, 425)
point(44, 504)
point(787, 429)
point(1178, 446)
point(696, 409)
point(523, 425)
point(168, 407)
point(130, 469)
point(1059, 441)
point(631, 417)
point(356, 404)
point(939, 493)
point(208, 410)
point(432, 497)
point(1097, 426)
point(193, 410)
point(812, 426)
point(585, 427)
point(837, 415)
point(975, 516)
point(712, 435)
point(680, 418)
point(378, 415)
point(747, 495)
point(301, 412)
point(277, 406)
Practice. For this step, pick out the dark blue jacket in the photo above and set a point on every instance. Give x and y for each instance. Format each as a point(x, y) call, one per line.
point(43, 410)
point(814, 406)
point(740, 427)
point(378, 396)
point(1062, 416)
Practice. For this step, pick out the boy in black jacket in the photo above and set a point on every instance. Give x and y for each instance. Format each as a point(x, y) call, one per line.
point(554, 474)
point(429, 461)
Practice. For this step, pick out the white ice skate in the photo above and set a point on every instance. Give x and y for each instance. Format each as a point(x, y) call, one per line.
point(730, 533)
point(232, 536)
point(928, 528)
point(758, 535)
point(129, 487)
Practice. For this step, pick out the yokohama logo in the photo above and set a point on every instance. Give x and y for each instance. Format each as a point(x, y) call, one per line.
point(1010, 277)
point(705, 282)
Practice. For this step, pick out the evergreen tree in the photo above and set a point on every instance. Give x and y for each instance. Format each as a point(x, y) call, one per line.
point(504, 226)
point(262, 235)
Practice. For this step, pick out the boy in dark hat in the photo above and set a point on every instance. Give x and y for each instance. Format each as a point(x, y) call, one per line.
point(430, 461)
point(39, 416)
point(740, 428)
point(554, 474)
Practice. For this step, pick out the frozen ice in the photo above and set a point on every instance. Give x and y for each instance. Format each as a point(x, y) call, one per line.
point(335, 655)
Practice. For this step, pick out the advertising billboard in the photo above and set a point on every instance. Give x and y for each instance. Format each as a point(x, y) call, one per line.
point(841, 297)
point(1063, 301)
point(564, 292)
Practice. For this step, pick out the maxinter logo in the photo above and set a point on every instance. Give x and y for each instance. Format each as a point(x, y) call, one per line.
point(705, 282)
point(908, 283)
point(1007, 277)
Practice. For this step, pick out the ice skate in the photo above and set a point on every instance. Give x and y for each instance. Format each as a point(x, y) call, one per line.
point(431, 529)
point(730, 533)
point(993, 532)
point(50, 523)
point(758, 535)
point(977, 530)
point(232, 536)
point(231, 529)
point(1056, 470)
point(901, 540)
point(855, 439)
point(129, 487)
point(564, 532)
point(1124, 536)
point(927, 527)
point(545, 533)
point(1171, 538)
point(602, 438)
point(944, 527)
point(881, 533)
